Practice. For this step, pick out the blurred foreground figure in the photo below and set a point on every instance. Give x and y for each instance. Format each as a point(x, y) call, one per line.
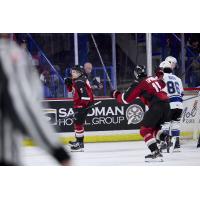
point(20, 109)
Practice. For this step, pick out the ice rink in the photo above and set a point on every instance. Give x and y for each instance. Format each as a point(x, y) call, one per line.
point(117, 154)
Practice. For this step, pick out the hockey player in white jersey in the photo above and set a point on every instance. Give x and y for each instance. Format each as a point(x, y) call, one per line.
point(174, 90)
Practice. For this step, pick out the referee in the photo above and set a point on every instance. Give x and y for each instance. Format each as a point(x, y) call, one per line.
point(20, 111)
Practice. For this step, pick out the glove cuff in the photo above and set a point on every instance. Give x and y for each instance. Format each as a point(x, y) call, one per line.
point(115, 93)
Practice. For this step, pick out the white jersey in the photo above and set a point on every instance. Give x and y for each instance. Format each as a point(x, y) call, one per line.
point(174, 89)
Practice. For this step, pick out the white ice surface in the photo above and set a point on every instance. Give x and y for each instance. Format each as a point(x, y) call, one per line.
point(117, 154)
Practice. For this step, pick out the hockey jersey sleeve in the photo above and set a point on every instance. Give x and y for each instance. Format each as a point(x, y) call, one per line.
point(130, 94)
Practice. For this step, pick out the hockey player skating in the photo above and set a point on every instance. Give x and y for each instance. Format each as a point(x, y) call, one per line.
point(150, 91)
point(83, 98)
point(175, 91)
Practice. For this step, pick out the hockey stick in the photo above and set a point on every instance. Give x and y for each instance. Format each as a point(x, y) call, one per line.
point(173, 141)
point(92, 106)
point(191, 98)
point(104, 68)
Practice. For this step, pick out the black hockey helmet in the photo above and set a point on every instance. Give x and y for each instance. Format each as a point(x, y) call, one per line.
point(140, 71)
point(78, 68)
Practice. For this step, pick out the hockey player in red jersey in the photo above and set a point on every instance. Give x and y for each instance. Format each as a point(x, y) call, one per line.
point(83, 98)
point(150, 91)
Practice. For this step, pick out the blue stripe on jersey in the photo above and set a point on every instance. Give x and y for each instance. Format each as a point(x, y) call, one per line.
point(176, 95)
point(176, 99)
point(175, 132)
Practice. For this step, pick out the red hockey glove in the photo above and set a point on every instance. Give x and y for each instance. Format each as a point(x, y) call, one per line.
point(159, 72)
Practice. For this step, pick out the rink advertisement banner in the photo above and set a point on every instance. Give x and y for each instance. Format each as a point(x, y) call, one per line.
point(106, 116)
point(190, 115)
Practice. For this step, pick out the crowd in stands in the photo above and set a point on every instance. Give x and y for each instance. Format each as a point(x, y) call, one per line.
point(63, 56)
point(193, 60)
point(170, 45)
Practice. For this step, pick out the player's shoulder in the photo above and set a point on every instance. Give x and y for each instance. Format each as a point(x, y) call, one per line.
point(149, 79)
point(177, 78)
point(171, 76)
point(134, 84)
point(145, 82)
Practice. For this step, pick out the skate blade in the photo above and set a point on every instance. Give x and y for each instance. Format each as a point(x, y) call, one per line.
point(177, 150)
point(174, 151)
point(78, 150)
point(148, 160)
point(71, 144)
point(165, 151)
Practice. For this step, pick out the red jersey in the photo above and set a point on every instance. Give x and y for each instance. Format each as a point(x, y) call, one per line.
point(82, 92)
point(150, 91)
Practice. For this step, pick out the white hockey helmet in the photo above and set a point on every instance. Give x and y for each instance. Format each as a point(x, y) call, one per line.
point(172, 61)
point(165, 64)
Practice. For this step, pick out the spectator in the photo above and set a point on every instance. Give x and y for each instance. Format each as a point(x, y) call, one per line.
point(45, 78)
point(193, 65)
point(194, 45)
point(195, 73)
point(95, 82)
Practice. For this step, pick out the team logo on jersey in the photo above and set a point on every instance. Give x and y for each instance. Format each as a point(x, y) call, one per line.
point(134, 114)
point(51, 116)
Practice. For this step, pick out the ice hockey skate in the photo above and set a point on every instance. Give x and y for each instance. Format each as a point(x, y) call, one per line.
point(71, 143)
point(162, 146)
point(155, 156)
point(165, 145)
point(77, 146)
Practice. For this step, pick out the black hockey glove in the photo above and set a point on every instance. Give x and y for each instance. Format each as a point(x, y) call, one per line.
point(114, 93)
point(68, 81)
point(97, 83)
